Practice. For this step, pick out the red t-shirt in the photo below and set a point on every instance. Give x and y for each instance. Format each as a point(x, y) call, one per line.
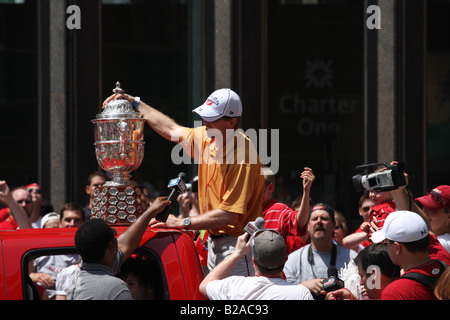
point(6, 221)
point(365, 243)
point(4, 214)
point(381, 211)
point(437, 251)
point(408, 289)
point(280, 217)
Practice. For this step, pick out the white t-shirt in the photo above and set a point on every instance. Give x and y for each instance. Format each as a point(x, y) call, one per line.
point(53, 265)
point(256, 288)
point(301, 267)
point(63, 278)
point(444, 239)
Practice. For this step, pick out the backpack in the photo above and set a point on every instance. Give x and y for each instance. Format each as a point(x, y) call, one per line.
point(424, 279)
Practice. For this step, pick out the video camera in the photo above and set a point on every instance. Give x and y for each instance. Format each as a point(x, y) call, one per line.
point(391, 178)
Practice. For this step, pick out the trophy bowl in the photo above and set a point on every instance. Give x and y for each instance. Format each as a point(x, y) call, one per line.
point(119, 140)
point(119, 147)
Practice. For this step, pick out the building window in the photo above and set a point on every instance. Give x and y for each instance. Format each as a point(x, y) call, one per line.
point(145, 47)
point(438, 93)
point(18, 92)
point(315, 97)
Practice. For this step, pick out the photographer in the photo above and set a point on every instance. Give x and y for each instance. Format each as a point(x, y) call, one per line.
point(387, 187)
point(402, 199)
point(269, 256)
point(309, 265)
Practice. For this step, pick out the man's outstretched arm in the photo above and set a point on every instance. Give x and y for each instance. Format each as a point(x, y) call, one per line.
point(161, 123)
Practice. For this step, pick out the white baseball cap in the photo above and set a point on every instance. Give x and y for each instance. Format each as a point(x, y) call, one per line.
point(222, 102)
point(48, 217)
point(402, 226)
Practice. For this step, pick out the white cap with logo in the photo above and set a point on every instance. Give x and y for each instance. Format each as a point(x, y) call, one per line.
point(222, 102)
point(402, 226)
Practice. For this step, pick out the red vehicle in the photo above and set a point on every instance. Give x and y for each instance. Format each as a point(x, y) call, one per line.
point(172, 250)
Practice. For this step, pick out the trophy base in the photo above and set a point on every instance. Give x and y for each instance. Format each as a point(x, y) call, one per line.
point(119, 205)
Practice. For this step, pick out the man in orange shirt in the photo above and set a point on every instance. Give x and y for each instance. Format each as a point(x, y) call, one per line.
point(230, 184)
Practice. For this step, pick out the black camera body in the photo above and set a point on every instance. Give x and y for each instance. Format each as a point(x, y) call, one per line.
point(391, 178)
point(333, 282)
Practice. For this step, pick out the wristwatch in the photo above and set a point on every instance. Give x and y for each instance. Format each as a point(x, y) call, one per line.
point(187, 222)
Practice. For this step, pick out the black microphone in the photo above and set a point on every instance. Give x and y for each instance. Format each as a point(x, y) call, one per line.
point(333, 282)
point(177, 185)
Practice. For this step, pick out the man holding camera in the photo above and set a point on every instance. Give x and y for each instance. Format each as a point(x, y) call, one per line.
point(309, 265)
point(387, 189)
point(269, 256)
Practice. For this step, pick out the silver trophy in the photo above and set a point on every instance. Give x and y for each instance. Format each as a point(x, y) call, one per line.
point(119, 147)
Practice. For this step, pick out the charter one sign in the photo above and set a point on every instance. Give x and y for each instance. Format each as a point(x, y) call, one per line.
point(319, 74)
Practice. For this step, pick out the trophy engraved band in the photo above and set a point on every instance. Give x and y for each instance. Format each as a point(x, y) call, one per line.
point(120, 205)
point(119, 148)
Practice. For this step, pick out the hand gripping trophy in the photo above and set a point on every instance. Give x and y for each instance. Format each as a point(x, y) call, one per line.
point(119, 147)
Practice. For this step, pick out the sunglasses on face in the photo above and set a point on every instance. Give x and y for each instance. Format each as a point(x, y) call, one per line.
point(30, 190)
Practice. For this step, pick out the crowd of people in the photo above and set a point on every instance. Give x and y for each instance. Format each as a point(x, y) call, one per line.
point(399, 252)
point(396, 253)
